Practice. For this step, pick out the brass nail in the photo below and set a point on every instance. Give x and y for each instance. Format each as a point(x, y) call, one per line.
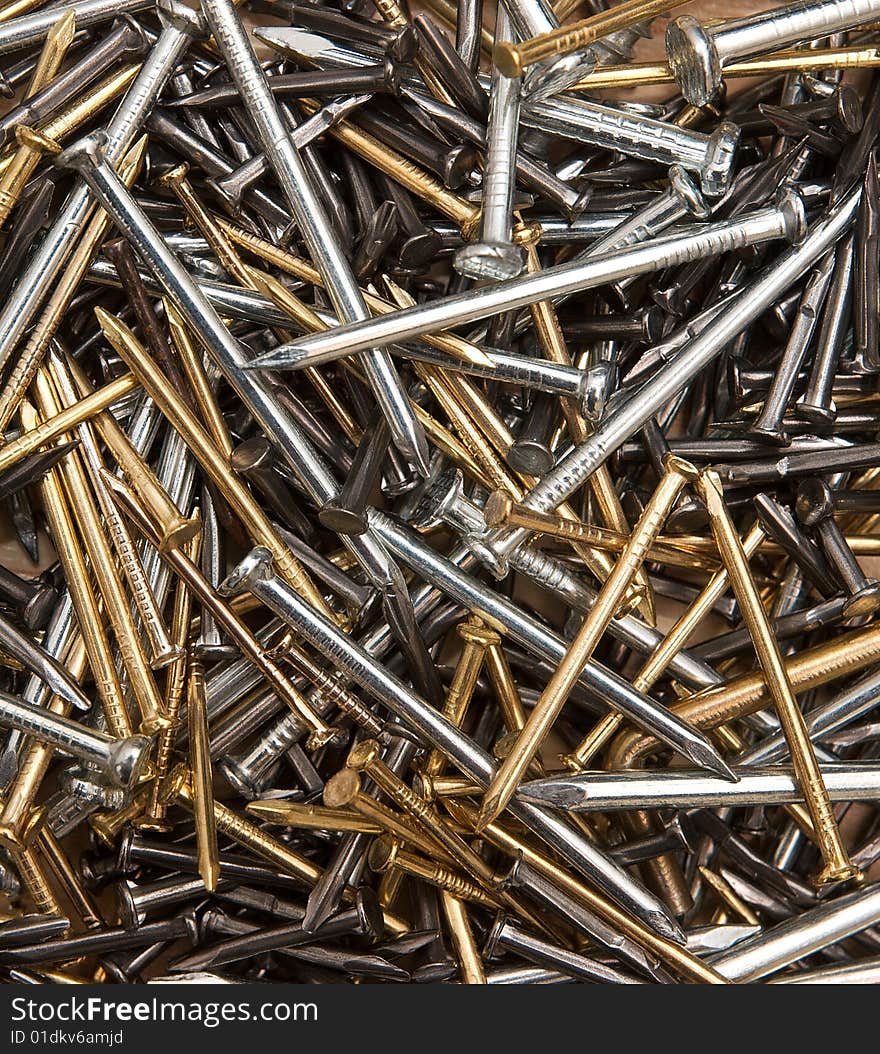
point(311, 817)
point(68, 877)
point(605, 607)
point(210, 458)
point(172, 527)
point(837, 866)
point(387, 853)
point(194, 368)
point(31, 870)
point(104, 570)
point(365, 757)
point(410, 176)
point(672, 954)
point(65, 421)
point(638, 74)
point(656, 663)
point(202, 776)
point(476, 638)
point(154, 817)
point(320, 733)
point(728, 896)
point(162, 649)
point(469, 960)
point(512, 58)
point(502, 511)
point(89, 618)
point(344, 790)
point(453, 345)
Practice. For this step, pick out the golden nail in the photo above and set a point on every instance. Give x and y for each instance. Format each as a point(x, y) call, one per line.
point(103, 566)
point(154, 817)
point(476, 638)
point(502, 511)
point(504, 686)
point(344, 791)
point(32, 872)
point(365, 757)
point(55, 47)
point(202, 776)
point(410, 176)
point(837, 865)
point(469, 962)
point(728, 896)
point(330, 687)
point(108, 825)
point(311, 817)
point(162, 649)
point(32, 145)
point(77, 575)
point(194, 368)
point(77, 894)
point(320, 733)
point(512, 58)
point(65, 421)
point(387, 852)
point(265, 846)
point(433, 787)
point(637, 74)
point(172, 527)
point(246, 834)
point(198, 440)
point(605, 607)
point(672, 954)
point(90, 103)
point(657, 663)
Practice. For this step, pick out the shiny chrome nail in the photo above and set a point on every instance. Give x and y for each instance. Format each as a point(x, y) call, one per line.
point(698, 54)
point(784, 221)
point(374, 678)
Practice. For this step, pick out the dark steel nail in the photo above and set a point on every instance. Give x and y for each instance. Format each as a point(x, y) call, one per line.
point(118, 939)
point(255, 460)
point(195, 150)
point(537, 177)
point(346, 513)
point(364, 918)
point(678, 834)
point(529, 453)
point(326, 20)
point(28, 929)
point(866, 273)
point(815, 508)
point(439, 51)
point(786, 627)
point(35, 601)
point(368, 80)
point(375, 241)
point(452, 164)
point(125, 40)
point(644, 325)
point(781, 527)
point(768, 424)
point(507, 935)
point(31, 217)
point(135, 850)
point(816, 404)
point(21, 513)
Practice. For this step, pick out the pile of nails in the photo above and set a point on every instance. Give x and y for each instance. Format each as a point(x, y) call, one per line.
point(443, 454)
